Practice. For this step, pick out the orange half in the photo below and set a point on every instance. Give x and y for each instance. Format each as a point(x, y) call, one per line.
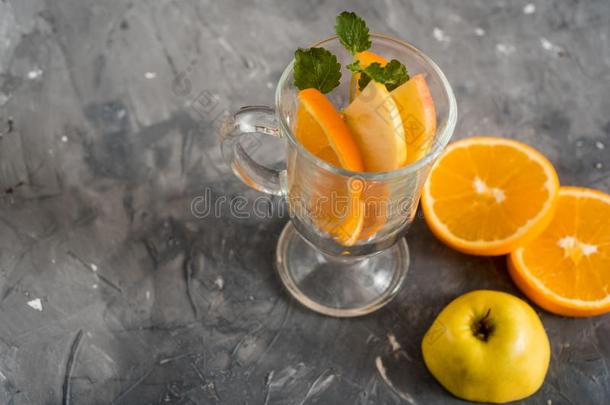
point(488, 195)
point(566, 270)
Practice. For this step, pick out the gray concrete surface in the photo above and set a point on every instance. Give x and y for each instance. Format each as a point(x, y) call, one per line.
point(111, 291)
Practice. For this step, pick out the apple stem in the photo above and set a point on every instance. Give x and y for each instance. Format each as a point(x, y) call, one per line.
point(483, 328)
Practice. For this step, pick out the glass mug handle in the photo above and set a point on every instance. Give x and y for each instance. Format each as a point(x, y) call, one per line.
point(247, 121)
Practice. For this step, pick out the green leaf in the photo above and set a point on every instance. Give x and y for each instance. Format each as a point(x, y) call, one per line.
point(316, 68)
point(363, 81)
point(392, 74)
point(353, 32)
point(354, 66)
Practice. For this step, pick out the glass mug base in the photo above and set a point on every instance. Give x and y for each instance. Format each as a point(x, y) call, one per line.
point(340, 286)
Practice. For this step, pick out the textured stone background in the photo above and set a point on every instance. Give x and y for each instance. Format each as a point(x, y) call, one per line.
point(111, 291)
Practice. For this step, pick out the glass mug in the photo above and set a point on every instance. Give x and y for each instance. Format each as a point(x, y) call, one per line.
point(343, 252)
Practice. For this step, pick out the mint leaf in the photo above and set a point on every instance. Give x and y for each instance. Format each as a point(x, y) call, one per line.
point(316, 68)
point(363, 81)
point(392, 74)
point(352, 32)
point(355, 66)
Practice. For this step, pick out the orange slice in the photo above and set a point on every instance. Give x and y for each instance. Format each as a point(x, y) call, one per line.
point(566, 270)
point(418, 116)
point(488, 195)
point(365, 58)
point(333, 204)
point(375, 122)
point(337, 208)
point(376, 198)
point(311, 135)
point(322, 125)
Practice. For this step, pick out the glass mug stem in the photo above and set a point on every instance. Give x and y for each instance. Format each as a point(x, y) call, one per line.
point(247, 121)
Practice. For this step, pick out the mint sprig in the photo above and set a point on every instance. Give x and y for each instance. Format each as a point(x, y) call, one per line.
point(354, 35)
point(319, 69)
point(392, 74)
point(352, 32)
point(316, 68)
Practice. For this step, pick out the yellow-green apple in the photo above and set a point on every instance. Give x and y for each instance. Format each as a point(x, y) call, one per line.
point(487, 346)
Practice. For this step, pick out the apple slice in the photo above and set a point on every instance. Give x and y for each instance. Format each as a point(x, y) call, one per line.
point(418, 115)
point(375, 123)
